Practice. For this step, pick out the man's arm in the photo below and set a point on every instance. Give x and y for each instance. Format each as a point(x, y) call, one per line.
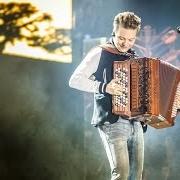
point(82, 78)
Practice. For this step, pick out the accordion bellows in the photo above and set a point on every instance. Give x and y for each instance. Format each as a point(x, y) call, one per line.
point(150, 91)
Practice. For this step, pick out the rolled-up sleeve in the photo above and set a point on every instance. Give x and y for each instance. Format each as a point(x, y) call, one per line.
point(82, 78)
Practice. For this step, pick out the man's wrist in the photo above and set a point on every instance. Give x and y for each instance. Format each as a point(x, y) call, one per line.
point(102, 88)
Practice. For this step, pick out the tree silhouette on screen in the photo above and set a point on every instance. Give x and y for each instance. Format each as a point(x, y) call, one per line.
point(24, 22)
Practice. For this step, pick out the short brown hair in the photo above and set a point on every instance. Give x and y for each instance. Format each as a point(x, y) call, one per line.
point(127, 20)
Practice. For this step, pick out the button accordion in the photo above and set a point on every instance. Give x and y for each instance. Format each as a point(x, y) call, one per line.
point(150, 91)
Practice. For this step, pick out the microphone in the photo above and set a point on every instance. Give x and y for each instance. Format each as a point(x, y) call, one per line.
point(178, 29)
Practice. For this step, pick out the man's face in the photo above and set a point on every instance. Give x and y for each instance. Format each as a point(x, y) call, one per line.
point(124, 39)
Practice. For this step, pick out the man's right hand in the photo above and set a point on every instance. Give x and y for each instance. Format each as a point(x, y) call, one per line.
point(114, 88)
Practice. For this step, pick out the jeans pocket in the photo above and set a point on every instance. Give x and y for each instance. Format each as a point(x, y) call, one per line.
point(106, 128)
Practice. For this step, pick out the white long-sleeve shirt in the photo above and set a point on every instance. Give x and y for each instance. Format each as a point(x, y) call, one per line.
point(82, 78)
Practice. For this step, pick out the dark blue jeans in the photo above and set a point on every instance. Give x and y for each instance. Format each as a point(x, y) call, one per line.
point(124, 145)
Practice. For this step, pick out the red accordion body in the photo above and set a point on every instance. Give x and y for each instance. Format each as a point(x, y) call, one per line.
point(150, 91)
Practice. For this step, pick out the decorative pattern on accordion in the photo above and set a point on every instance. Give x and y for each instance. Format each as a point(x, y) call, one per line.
point(176, 104)
point(150, 90)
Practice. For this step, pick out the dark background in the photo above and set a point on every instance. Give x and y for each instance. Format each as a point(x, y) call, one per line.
point(44, 134)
